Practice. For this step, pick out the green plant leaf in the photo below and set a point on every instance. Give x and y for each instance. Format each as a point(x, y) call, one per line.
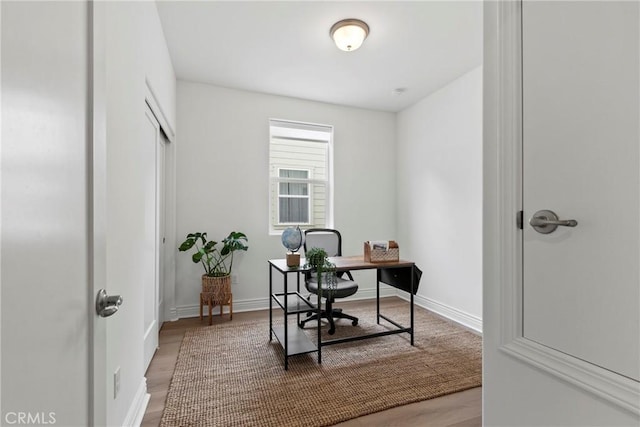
point(215, 261)
point(187, 244)
point(203, 237)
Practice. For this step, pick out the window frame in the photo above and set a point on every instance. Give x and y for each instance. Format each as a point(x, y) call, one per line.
point(301, 131)
point(308, 181)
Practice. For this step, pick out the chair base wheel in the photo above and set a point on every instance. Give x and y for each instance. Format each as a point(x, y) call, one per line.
point(330, 314)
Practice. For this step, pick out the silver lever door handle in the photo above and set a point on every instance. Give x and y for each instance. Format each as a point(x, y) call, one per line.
point(546, 222)
point(542, 221)
point(107, 305)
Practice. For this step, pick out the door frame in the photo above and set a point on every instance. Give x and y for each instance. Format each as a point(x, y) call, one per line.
point(152, 331)
point(503, 100)
point(169, 312)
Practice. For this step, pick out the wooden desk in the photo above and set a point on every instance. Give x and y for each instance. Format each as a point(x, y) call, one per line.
point(294, 340)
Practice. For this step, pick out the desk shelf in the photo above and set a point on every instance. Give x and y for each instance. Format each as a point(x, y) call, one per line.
point(297, 340)
point(296, 303)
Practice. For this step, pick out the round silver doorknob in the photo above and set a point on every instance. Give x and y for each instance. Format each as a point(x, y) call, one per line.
point(107, 305)
point(546, 222)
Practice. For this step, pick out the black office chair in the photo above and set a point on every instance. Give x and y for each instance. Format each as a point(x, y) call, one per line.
point(331, 241)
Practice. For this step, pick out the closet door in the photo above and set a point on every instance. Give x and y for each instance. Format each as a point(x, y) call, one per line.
point(151, 255)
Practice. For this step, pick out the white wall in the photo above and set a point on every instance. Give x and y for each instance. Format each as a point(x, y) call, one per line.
point(135, 51)
point(439, 168)
point(222, 180)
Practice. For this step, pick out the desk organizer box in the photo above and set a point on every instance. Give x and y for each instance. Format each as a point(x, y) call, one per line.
point(373, 254)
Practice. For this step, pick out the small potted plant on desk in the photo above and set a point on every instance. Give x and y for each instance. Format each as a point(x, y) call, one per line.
point(217, 261)
point(318, 261)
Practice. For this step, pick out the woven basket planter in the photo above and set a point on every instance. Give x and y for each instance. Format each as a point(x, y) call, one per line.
point(216, 291)
point(218, 288)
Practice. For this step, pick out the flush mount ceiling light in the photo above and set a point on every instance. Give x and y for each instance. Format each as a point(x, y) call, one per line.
point(349, 34)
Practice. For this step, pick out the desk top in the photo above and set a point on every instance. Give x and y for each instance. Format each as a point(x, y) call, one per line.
point(343, 263)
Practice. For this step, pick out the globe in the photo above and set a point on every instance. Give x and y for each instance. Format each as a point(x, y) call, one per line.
point(292, 238)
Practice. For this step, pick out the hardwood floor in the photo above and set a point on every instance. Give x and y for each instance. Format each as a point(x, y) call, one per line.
point(462, 409)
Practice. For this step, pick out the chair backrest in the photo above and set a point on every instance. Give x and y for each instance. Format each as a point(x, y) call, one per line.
point(328, 239)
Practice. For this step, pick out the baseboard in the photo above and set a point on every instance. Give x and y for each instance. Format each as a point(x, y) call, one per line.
point(171, 314)
point(138, 406)
point(185, 311)
point(451, 313)
point(193, 310)
point(468, 320)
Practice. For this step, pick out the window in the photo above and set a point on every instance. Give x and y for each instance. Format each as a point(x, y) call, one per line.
point(294, 203)
point(300, 175)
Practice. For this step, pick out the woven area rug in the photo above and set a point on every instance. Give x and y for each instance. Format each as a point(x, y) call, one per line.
point(231, 375)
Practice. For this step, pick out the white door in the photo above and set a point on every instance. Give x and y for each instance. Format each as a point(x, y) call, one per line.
point(161, 223)
point(151, 259)
point(52, 210)
point(561, 119)
point(581, 158)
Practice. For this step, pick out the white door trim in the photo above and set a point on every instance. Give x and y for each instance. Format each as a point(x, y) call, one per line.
point(1, 207)
point(156, 108)
point(150, 336)
point(504, 82)
point(170, 312)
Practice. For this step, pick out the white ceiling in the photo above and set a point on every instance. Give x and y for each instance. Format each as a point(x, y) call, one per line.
point(284, 48)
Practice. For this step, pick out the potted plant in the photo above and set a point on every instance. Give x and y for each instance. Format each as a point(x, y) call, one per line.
point(318, 261)
point(217, 260)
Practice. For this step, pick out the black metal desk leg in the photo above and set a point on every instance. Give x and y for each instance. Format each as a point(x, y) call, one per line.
point(286, 331)
point(270, 302)
point(378, 295)
point(298, 290)
point(412, 285)
point(318, 311)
